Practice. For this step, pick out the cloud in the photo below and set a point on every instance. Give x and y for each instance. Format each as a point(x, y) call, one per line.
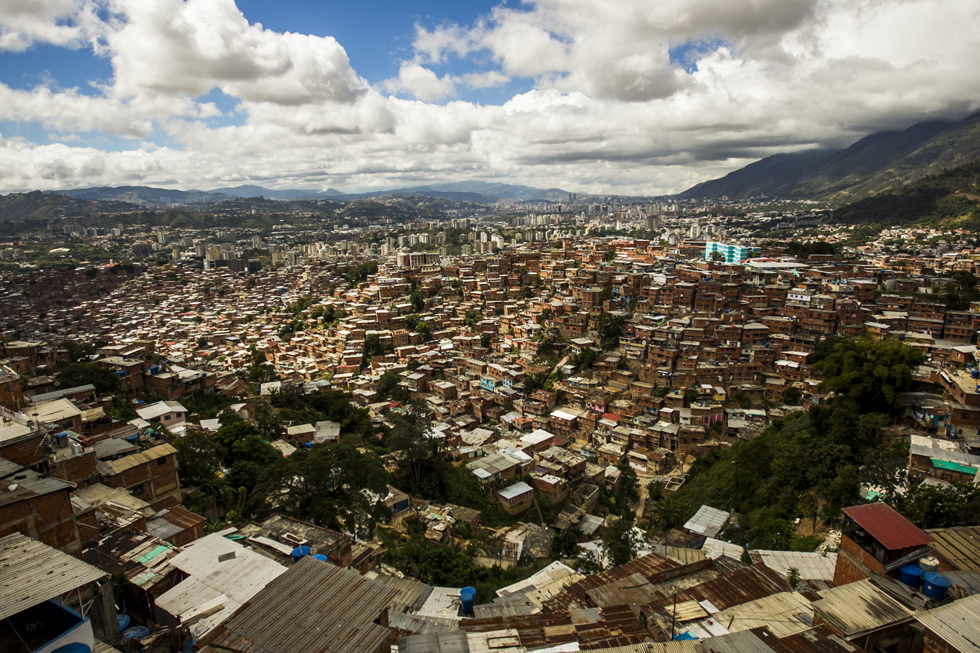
point(61, 22)
point(613, 107)
point(175, 47)
point(487, 79)
point(421, 82)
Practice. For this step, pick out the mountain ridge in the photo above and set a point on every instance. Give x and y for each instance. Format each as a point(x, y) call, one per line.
point(468, 191)
point(873, 164)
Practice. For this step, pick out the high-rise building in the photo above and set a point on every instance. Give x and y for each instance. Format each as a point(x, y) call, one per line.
point(732, 253)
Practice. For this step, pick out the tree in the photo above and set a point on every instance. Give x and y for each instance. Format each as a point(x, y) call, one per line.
point(199, 458)
point(524, 292)
point(417, 300)
point(424, 330)
point(793, 578)
point(332, 485)
point(77, 350)
point(871, 372)
point(471, 318)
point(717, 257)
point(227, 417)
point(608, 329)
point(485, 340)
point(243, 441)
point(629, 484)
point(618, 541)
point(564, 544)
point(77, 374)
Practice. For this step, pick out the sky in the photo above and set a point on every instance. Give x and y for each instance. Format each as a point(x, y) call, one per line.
point(632, 97)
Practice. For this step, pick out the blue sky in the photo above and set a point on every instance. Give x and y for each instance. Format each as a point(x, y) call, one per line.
point(636, 96)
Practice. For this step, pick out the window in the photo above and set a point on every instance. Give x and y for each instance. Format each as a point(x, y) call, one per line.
point(161, 461)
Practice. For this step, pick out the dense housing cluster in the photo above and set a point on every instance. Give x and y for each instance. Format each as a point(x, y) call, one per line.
point(266, 432)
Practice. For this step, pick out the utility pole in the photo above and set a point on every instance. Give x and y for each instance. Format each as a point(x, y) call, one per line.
point(673, 617)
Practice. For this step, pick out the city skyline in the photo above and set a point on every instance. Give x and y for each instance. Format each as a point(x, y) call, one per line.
point(626, 99)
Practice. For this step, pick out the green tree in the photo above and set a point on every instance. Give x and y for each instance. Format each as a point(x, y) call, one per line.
point(564, 544)
point(77, 374)
point(243, 441)
point(199, 458)
point(872, 372)
point(717, 257)
point(424, 330)
point(619, 542)
point(417, 300)
point(332, 485)
point(77, 350)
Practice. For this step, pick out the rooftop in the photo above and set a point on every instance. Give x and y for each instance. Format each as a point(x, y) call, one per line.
point(887, 526)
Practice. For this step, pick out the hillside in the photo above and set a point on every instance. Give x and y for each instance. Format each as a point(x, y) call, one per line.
point(949, 199)
point(873, 164)
point(48, 206)
point(464, 191)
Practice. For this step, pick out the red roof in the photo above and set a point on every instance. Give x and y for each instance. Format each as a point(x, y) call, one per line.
point(883, 523)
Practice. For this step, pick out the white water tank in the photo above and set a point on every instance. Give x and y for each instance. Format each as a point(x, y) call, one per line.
point(929, 564)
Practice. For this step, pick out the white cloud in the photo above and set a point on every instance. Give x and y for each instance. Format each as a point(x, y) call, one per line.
point(610, 110)
point(421, 82)
point(487, 79)
point(175, 47)
point(61, 22)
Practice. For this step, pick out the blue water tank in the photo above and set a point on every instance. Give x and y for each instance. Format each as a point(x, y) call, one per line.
point(975, 374)
point(139, 632)
point(911, 575)
point(320, 556)
point(74, 647)
point(300, 552)
point(935, 586)
point(467, 596)
point(123, 620)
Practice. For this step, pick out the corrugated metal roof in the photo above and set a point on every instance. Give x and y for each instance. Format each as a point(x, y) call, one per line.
point(819, 639)
point(812, 566)
point(783, 614)
point(960, 546)
point(31, 572)
point(314, 607)
point(223, 585)
point(412, 593)
point(715, 549)
point(958, 624)
point(434, 643)
point(413, 623)
point(883, 523)
point(743, 642)
point(137, 459)
point(858, 608)
point(102, 647)
point(707, 521)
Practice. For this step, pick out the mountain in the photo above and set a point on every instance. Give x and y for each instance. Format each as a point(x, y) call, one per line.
point(46, 206)
point(291, 194)
point(950, 199)
point(465, 191)
point(873, 164)
point(146, 196)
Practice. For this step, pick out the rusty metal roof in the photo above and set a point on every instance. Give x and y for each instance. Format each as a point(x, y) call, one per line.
point(618, 626)
point(883, 523)
point(959, 545)
point(576, 595)
point(858, 608)
point(314, 607)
